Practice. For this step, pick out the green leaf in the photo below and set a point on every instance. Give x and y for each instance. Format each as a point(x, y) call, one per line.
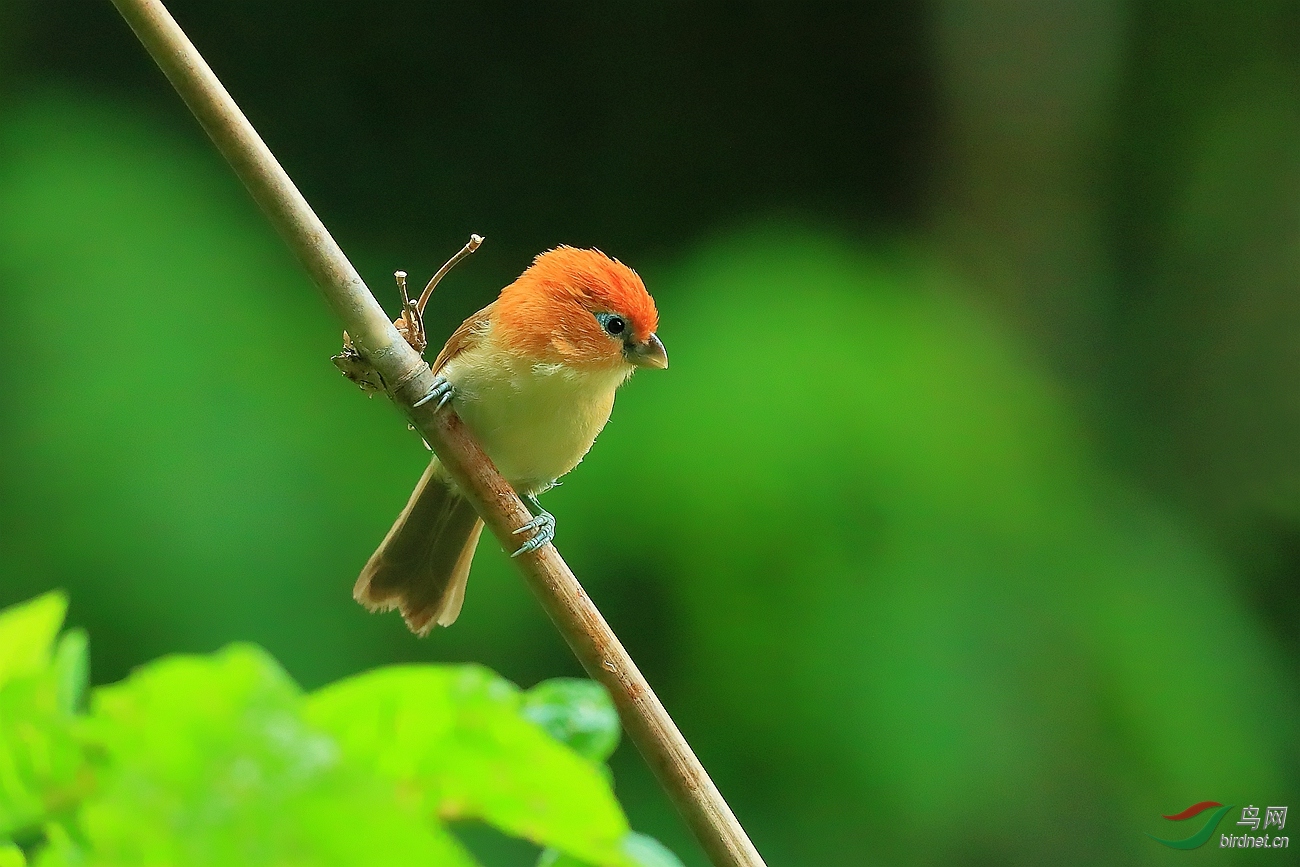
point(27, 632)
point(646, 851)
point(72, 669)
point(59, 850)
point(640, 851)
point(576, 712)
point(556, 858)
point(11, 856)
point(40, 761)
point(456, 736)
point(211, 763)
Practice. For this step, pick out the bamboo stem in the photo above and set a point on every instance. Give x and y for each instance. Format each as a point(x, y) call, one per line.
point(593, 642)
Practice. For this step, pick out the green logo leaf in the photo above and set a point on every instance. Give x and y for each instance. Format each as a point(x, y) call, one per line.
point(1199, 838)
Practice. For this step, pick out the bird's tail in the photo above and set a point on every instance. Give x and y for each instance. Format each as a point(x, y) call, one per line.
point(421, 566)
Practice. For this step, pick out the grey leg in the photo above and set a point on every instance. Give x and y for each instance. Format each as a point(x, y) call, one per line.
point(542, 527)
point(441, 391)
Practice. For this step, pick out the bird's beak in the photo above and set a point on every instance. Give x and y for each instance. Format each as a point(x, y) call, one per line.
point(651, 353)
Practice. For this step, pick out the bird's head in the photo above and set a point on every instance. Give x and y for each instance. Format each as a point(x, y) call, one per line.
point(583, 309)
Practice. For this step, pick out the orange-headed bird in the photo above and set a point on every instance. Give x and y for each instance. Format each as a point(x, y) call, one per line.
point(533, 376)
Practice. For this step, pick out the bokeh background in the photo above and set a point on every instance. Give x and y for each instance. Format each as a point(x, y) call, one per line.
point(965, 527)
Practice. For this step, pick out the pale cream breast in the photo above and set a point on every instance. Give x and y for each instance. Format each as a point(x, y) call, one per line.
point(536, 421)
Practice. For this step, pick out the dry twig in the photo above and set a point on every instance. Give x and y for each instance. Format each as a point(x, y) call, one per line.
point(408, 378)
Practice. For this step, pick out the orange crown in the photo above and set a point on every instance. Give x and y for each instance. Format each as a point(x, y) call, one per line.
point(603, 283)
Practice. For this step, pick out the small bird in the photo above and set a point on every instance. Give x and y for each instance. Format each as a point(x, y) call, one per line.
point(533, 376)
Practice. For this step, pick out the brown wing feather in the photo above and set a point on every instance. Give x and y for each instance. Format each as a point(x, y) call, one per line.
point(465, 337)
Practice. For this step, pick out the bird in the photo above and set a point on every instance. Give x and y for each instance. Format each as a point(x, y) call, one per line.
point(532, 376)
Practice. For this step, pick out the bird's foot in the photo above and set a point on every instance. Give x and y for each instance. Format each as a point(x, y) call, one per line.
point(542, 527)
point(441, 391)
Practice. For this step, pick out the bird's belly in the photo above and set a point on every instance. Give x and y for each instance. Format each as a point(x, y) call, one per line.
point(535, 423)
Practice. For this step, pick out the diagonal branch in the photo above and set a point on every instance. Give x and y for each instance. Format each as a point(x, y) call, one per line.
point(375, 337)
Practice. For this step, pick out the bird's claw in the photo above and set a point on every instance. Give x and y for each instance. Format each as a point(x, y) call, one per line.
point(542, 527)
point(441, 391)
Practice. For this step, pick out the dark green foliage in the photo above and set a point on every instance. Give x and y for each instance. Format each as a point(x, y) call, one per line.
point(222, 759)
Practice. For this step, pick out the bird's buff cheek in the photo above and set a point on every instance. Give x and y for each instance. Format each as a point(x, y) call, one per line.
point(565, 349)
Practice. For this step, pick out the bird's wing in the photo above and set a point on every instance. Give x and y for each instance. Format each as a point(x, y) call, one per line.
point(467, 336)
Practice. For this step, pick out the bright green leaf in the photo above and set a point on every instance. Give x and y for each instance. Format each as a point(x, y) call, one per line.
point(27, 632)
point(39, 759)
point(11, 856)
point(456, 735)
point(576, 712)
point(59, 850)
point(212, 764)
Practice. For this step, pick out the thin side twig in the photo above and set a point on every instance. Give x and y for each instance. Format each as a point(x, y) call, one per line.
point(408, 378)
point(470, 247)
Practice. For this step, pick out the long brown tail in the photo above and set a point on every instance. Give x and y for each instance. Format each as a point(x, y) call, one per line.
point(423, 563)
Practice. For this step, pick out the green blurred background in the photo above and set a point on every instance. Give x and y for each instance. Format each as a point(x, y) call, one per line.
point(965, 528)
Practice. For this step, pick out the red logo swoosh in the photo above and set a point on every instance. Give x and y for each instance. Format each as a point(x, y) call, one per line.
point(1193, 810)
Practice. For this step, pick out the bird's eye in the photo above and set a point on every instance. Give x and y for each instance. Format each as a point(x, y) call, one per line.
point(615, 325)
